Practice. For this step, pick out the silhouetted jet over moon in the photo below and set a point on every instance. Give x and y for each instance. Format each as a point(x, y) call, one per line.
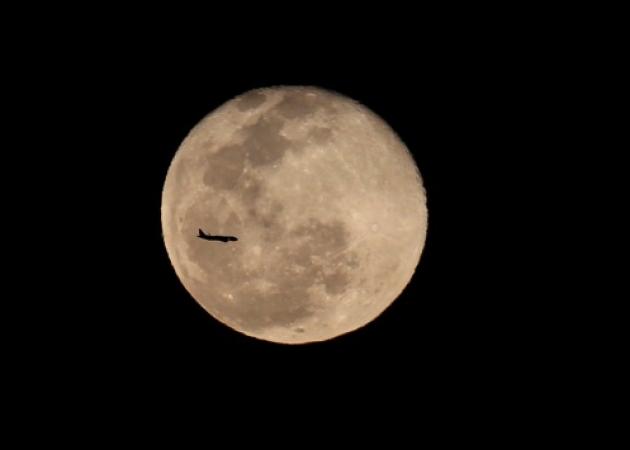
point(327, 202)
point(209, 237)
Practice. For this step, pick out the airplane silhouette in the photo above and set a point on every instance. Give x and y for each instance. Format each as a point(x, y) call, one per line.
point(209, 237)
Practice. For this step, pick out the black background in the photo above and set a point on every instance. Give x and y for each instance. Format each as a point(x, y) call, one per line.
point(490, 102)
point(456, 310)
point(124, 322)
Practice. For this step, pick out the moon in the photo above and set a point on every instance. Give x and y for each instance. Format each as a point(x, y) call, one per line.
point(326, 201)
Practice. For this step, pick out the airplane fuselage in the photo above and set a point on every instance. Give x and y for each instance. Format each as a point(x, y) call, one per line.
point(209, 237)
point(218, 238)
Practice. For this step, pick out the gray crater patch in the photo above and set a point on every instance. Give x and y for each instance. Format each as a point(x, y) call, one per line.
point(337, 282)
point(320, 135)
point(264, 145)
point(250, 100)
point(225, 167)
point(297, 105)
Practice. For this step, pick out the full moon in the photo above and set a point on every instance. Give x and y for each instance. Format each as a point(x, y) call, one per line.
point(327, 204)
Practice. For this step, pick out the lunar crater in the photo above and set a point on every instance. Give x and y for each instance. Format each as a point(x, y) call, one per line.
point(225, 167)
point(320, 135)
point(251, 100)
point(264, 144)
point(297, 105)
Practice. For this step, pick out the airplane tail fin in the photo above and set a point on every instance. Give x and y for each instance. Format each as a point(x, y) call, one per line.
point(202, 234)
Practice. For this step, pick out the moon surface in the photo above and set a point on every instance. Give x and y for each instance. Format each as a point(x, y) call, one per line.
point(327, 204)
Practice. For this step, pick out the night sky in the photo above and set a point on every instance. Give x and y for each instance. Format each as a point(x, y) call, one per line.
point(125, 322)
